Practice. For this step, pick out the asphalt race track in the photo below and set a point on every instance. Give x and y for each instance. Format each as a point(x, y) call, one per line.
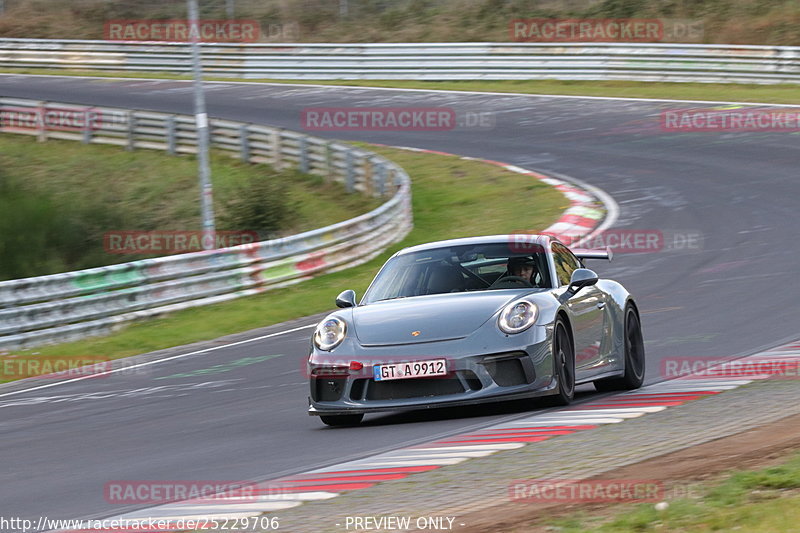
point(734, 292)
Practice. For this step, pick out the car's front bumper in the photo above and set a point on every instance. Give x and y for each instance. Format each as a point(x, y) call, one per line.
point(512, 368)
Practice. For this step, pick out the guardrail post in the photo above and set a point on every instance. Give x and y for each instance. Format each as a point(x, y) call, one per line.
point(40, 125)
point(350, 175)
point(366, 164)
point(87, 129)
point(276, 148)
point(303, 146)
point(131, 131)
point(244, 142)
point(329, 168)
point(380, 178)
point(171, 135)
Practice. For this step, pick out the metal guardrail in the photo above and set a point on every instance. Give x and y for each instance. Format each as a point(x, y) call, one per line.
point(73, 305)
point(423, 61)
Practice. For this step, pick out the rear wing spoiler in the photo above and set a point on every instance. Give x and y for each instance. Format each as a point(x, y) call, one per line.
point(594, 254)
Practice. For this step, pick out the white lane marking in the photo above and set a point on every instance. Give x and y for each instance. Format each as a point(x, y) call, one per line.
point(587, 413)
point(576, 421)
point(678, 388)
point(695, 390)
point(345, 467)
point(435, 455)
point(648, 392)
point(624, 413)
point(443, 91)
point(163, 391)
point(427, 462)
point(156, 361)
point(581, 415)
point(577, 196)
point(698, 384)
point(202, 509)
point(695, 384)
point(495, 447)
point(281, 496)
point(710, 380)
point(622, 410)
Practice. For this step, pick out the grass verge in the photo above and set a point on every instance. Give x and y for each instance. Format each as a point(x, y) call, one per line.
point(715, 92)
point(756, 501)
point(59, 198)
point(451, 198)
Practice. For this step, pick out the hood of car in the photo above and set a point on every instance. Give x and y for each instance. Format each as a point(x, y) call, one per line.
point(427, 318)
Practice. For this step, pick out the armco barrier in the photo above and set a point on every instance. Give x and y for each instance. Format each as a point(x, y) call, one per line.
point(421, 61)
point(73, 305)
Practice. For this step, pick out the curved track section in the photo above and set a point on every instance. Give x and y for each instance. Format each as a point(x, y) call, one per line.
point(206, 416)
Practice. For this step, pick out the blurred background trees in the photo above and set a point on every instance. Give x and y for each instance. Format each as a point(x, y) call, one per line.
point(774, 22)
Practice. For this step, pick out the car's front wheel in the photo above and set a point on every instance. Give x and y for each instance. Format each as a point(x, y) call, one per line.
point(341, 420)
point(634, 357)
point(564, 362)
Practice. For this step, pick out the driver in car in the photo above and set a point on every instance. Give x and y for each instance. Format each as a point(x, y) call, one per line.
point(523, 267)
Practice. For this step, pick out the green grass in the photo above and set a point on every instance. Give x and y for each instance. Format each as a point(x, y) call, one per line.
point(758, 501)
point(716, 92)
point(451, 198)
point(57, 199)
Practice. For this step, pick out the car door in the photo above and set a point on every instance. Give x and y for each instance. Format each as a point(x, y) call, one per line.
point(586, 310)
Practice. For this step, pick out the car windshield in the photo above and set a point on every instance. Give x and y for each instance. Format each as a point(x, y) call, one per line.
point(465, 268)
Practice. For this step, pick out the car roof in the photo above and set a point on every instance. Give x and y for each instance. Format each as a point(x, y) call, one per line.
point(542, 240)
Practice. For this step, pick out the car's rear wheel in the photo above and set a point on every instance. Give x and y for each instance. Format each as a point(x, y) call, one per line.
point(564, 361)
point(341, 420)
point(634, 357)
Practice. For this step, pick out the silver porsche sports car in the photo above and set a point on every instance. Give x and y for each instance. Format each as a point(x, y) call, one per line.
point(475, 320)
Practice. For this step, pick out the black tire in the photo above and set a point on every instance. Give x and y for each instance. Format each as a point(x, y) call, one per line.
point(634, 356)
point(341, 420)
point(564, 361)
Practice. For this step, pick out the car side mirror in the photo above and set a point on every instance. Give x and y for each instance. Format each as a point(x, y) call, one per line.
point(581, 277)
point(346, 299)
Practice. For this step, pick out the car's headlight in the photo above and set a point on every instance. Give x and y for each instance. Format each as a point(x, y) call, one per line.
point(329, 333)
point(517, 316)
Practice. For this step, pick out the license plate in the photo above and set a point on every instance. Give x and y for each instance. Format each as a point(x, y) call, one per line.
point(412, 369)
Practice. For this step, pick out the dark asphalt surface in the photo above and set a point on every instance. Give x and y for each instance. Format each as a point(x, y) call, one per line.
point(732, 294)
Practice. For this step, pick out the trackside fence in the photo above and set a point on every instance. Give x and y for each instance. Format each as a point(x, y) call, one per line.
point(420, 61)
point(72, 305)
